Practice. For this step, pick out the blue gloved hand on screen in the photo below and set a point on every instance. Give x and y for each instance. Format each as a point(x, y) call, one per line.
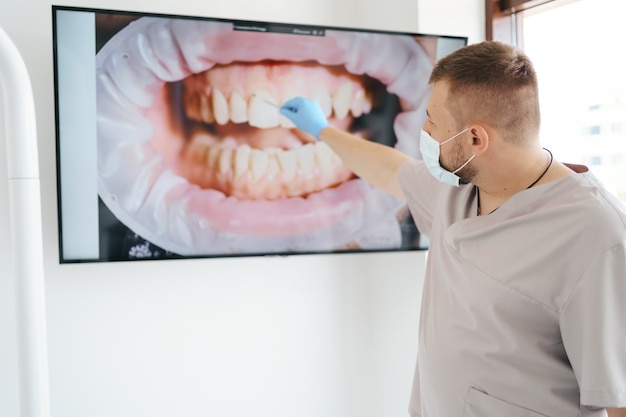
point(306, 114)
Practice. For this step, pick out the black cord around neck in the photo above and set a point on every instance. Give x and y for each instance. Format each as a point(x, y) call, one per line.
point(545, 170)
point(534, 182)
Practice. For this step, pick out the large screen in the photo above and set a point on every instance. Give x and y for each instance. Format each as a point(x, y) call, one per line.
point(170, 143)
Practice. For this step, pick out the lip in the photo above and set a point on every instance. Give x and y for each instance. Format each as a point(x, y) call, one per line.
point(138, 187)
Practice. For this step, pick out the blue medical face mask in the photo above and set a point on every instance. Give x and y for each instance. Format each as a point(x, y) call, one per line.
point(430, 150)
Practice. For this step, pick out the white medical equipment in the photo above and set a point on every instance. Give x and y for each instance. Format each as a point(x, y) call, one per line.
point(26, 230)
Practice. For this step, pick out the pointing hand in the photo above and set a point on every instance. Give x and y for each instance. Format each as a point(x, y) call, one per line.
point(306, 114)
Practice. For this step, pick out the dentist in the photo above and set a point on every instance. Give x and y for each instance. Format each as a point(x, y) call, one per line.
point(524, 301)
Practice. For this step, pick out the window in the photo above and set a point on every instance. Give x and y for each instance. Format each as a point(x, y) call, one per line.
point(578, 57)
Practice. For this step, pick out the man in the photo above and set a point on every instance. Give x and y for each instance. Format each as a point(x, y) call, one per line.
point(524, 306)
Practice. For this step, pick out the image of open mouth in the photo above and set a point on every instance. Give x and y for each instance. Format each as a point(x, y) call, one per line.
point(194, 156)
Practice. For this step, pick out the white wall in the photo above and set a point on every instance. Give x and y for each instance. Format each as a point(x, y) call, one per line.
point(307, 336)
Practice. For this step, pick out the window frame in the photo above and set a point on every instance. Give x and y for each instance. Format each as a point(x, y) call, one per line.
point(504, 22)
point(500, 20)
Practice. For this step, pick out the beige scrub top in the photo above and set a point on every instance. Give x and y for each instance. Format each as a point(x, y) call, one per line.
point(524, 309)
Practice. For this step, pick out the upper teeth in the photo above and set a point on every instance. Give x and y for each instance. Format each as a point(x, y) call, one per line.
point(261, 109)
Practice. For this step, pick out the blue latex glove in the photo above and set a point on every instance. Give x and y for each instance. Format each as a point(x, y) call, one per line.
point(306, 114)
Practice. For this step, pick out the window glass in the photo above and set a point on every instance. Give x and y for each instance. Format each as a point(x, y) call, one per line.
point(578, 51)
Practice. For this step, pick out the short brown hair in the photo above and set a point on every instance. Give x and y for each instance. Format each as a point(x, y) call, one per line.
point(494, 83)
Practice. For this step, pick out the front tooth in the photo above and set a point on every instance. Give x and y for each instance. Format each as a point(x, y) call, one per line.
point(273, 168)
point(288, 162)
point(306, 158)
point(242, 158)
point(342, 100)
point(324, 156)
point(262, 114)
point(258, 163)
point(238, 108)
point(225, 160)
point(220, 107)
point(284, 121)
point(322, 96)
point(272, 191)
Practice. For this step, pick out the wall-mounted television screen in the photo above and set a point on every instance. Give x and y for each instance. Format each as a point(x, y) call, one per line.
point(170, 143)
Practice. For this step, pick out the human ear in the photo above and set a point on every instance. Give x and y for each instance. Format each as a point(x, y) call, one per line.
point(480, 138)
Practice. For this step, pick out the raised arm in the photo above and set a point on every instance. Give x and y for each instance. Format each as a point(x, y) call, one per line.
point(375, 163)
